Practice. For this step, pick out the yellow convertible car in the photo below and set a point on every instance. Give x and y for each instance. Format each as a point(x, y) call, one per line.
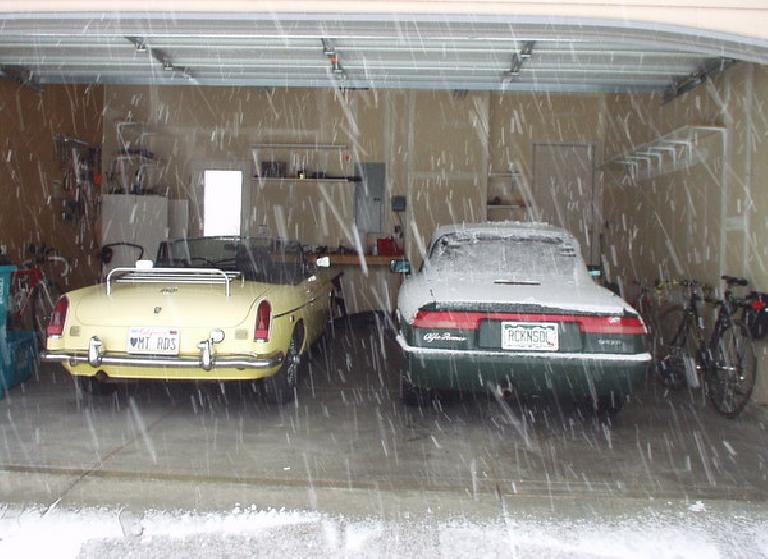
point(208, 309)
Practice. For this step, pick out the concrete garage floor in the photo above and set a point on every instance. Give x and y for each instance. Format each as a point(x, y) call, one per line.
point(349, 447)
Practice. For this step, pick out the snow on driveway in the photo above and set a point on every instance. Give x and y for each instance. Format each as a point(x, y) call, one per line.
point(246, 532)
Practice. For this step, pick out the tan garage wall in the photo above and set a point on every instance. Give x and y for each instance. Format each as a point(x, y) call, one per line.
point(674, 224)
point(704, 220)
point(438, 147)
point(29, 210)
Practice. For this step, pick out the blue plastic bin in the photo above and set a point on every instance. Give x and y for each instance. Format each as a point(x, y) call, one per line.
point(5, 291)
point(18, 359)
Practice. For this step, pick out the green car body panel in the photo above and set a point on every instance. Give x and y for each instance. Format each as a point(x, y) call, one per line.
point(470, 361)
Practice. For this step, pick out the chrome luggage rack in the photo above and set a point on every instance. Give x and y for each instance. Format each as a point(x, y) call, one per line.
point(170, 275)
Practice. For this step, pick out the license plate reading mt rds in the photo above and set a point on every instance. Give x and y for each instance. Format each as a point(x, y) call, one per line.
point(153, 341)
point(530, 336)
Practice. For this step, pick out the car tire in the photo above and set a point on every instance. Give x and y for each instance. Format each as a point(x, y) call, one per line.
point(411, 395)
point(92, 386)
point(280, 388)
point(609, 406)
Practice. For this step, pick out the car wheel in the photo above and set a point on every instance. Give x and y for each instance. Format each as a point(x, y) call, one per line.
point(412, 395)
point(91, 385)
point(609, 405)
point(280, 388)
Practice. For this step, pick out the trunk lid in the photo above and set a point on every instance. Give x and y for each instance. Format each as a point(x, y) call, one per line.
point(173, 305)
point(540, 316)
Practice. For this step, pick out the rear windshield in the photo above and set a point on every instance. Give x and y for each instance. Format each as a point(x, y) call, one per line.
point(519, 257)
point(266, 260)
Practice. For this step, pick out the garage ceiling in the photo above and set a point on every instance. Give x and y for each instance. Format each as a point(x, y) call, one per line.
point(359, 51)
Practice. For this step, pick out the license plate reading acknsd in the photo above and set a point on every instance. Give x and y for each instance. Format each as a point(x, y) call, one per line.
point(153, 341)
point(530, 336)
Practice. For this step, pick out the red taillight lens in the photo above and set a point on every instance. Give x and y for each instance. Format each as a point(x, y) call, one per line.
point(447, 319)
point(263, 317)
point(611, 325)
point(58, 317)
point(471, 321)
point(757, 305)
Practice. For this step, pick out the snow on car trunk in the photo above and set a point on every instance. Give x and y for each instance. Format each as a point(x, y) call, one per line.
point(168, 304)
point(478, 291)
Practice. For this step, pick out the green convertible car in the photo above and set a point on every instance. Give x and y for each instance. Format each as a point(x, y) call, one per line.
point(511, 307)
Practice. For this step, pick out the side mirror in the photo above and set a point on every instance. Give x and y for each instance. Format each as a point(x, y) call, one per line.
point(323, 262)
point(400, 266)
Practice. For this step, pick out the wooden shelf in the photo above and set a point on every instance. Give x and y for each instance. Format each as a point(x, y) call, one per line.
point(301, 146)
point(507, 174)
point(279, 179)
point(353, 259)
point(507, 206)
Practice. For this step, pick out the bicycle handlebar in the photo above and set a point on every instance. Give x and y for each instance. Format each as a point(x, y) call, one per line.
point(32, 262)
point(733, 280)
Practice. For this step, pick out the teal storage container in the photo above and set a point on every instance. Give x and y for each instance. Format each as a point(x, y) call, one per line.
point(18, 359)
point(5, 292)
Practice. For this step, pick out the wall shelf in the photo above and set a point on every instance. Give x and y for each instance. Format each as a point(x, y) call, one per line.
point(301, 146)
point(665, 154)
point(286, 179)
point(506, 206)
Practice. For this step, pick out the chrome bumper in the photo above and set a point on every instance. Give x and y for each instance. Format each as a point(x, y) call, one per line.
point(207, 360)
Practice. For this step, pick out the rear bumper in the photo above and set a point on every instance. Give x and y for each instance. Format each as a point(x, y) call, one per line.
point(206, 360)
point(575, 374)
point(129, 360)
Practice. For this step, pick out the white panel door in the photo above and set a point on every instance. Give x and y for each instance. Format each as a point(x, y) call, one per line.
point(563, 191)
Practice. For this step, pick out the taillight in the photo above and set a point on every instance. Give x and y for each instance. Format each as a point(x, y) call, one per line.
point(757, 305)
point(612, 325)
point(58, 317)
point(263, 317)
point(460, 320)
point(447, 319)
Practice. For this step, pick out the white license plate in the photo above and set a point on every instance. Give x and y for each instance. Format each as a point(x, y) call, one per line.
point(153, 341)
point(530, 336)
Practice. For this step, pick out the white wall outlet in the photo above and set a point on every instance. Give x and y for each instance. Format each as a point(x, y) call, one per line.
point(3, 250)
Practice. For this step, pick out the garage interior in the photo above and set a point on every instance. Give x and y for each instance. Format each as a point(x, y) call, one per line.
point(645, 141)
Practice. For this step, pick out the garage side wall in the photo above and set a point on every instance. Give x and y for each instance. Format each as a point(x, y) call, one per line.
point(701, 220)
point(690, 220)
point(31, 207)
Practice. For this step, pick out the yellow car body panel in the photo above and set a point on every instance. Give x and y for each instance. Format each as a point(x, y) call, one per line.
point(195, 310)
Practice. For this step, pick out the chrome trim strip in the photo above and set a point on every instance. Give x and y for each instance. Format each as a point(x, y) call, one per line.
point(130, 360)
point(618, 357)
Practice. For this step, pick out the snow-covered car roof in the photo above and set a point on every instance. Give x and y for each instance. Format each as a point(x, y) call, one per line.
point(504, 228)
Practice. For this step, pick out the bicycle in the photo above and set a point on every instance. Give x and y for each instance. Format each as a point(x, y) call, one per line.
point(725, 361)
point(33, 294)
point(646, 306)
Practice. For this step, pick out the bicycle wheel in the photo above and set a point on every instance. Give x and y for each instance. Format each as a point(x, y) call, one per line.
point(731, 373)
point(674, 348)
